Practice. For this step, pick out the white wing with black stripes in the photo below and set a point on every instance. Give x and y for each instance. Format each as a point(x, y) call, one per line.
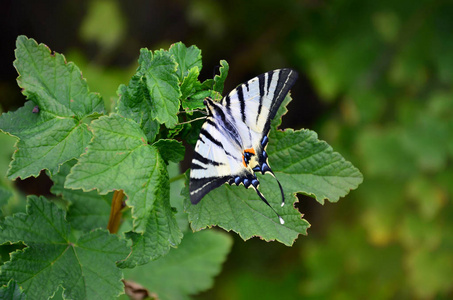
point(232, 142)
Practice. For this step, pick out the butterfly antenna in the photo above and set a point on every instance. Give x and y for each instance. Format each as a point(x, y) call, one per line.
point(193, 120)
point(190, 111)
point(265, 201)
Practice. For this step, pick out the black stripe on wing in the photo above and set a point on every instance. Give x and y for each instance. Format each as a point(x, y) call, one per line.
point(205, 133)
point(222, 122)
point(261, 88)
point(205, 161)
point(199, 187)
point(286, 79)
point(195, 166)
point(240, 94)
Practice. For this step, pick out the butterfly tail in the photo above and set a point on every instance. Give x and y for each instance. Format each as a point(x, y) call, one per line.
point(265, 201)
point(281, 189)
point(266, 169)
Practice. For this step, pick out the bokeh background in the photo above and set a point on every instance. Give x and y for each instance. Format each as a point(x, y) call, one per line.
point(375, 83)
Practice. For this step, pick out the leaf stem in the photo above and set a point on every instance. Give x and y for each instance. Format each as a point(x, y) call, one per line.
point(115, 211)
point(177, 177)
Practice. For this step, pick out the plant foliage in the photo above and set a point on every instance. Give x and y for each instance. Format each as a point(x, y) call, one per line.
point(91, 155)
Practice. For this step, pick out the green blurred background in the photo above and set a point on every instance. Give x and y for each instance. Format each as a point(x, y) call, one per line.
point(375, 83)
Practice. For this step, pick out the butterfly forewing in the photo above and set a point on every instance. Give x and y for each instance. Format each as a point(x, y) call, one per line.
point(256, 102)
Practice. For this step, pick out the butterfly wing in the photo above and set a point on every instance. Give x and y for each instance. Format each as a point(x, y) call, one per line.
point(241, 121)
point(254, 104)
point(216, 160)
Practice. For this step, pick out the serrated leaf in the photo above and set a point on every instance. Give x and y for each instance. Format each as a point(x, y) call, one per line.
point(191, 266)
point(55, 85)
point(335, 176)
point(53, 259)
point(160, 233)
point(242, 210)
point(55, 133)
point(190, 84)
point(219, 80)
point(119, 158)
point(170, 150)
point(87, 210)
point(135, 103)
point(147, 246)
point(195, 101)
point(12, 292)
point(310, 166)
point(176, 199)
point(175, 131)
point(209, 88)
point(303, 164)
point(187, 58)
point(162, 84)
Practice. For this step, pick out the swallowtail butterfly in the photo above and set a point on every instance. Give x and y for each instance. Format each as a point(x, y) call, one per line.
point(232, 142)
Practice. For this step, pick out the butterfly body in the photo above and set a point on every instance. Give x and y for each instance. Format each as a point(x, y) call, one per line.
point(232, 142)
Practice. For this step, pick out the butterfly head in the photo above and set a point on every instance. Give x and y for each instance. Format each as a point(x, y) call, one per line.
point(208, 102)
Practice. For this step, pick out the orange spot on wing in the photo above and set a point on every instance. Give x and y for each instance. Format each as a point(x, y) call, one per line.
point(250, 150)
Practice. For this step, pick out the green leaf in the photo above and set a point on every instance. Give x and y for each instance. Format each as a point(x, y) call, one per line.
point(87, 210)
point(310, 166)
point(85, 267)
point(187, 58)
point(326, 174)
point(175, 131)
point(219, 80)
point(190, 84)
point(160, 233)
point(176, 199)
point(56, 133)
point(194, 93)
point(195, 101)
point(135, 103)
point(303, 164)
point(6, 151)
point(162, 84)
point(55, 85)
point(191, 267)
point(12, 292)
point(119, 158)
point(170, 150)
point(149, 246)
point(242, 210)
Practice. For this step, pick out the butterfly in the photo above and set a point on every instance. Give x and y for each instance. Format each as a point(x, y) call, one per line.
point(231, 146)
